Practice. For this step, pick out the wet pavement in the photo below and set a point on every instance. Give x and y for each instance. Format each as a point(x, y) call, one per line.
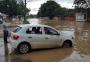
point(79, 53)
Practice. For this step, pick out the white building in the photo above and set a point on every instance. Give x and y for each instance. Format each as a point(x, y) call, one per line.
point(81, 17)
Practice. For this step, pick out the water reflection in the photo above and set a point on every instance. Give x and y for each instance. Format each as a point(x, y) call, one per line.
point(76, 57)
point(83, 37)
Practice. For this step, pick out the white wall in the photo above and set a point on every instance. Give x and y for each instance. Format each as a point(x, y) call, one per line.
point(80, 17)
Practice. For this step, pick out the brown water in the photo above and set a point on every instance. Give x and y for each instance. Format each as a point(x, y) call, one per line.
point(83, 37)
point(48, 55)
point(58, 24)
point(80, 52)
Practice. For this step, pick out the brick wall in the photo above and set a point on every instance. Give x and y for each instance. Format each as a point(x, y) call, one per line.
point(69, 18)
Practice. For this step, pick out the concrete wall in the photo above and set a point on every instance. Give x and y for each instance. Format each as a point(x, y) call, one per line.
point(80, 17)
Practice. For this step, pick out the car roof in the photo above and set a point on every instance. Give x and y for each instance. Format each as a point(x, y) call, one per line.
point(27, 25)
point(37, 25)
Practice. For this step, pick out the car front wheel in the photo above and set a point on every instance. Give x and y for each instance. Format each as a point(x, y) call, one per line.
point(67, 44)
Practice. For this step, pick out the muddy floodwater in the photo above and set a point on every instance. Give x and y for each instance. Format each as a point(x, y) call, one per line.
point(48, 55)
point(79, 53)
point(83, 37)
point(58, 24)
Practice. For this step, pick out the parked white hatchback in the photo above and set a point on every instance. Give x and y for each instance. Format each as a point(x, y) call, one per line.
point(28, 36)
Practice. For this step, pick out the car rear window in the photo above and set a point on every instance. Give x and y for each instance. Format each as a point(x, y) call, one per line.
point(17, 29)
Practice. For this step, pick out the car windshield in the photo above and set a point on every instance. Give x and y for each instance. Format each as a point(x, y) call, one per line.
point(17, 29)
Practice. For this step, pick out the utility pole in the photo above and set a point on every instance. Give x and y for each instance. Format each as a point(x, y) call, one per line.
point(25, 11)
point(5, 33)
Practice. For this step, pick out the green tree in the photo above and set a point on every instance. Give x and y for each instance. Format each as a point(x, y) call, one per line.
point(21, 9)
point(52, 9)
point(82, 3)
point(82, 6)
point(12, 8)
point(49, 9)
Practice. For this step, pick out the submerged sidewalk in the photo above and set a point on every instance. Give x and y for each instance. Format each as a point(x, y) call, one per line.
point(2, 50)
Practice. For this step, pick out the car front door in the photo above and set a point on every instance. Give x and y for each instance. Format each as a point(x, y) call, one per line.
point(51, 37)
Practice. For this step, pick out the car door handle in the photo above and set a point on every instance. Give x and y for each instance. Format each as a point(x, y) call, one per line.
point(29, 37)
point(46, 38)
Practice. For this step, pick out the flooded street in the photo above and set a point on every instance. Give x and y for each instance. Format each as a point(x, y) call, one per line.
point(44, 30)
point(57, 23)
point(79, 53)
point(48, 55)
point(83, 37)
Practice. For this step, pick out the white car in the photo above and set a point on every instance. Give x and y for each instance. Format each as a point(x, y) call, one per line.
point(28, 36)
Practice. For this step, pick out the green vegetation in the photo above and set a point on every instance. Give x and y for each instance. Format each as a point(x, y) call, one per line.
point(49, 9)
point(52, 9)
point(26, 22)
point(79, 2)
point(12, 8)
point(82, 6)
point(82, 3)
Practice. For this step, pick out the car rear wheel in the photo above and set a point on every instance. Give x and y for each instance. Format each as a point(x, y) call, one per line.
point(67, 44)
point(24, 48)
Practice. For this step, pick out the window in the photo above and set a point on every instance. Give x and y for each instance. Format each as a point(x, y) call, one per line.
point(34, 30)
point(38, 30)
point(50, 31)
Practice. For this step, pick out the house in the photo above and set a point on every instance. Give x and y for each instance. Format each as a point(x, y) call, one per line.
point(81, 17)
point(70, 17)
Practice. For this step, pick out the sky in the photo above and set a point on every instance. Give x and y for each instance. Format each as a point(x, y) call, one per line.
point(34, 5)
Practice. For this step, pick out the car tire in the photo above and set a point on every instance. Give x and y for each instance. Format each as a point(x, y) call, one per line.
point(67, 44)
point(23, 48)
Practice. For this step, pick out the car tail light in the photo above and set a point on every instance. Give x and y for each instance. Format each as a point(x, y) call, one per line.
point(15, 37)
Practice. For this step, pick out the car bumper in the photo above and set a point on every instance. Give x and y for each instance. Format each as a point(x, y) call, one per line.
point(13, 45)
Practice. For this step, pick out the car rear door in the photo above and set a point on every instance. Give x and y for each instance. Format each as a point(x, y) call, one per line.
point(36, 37)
